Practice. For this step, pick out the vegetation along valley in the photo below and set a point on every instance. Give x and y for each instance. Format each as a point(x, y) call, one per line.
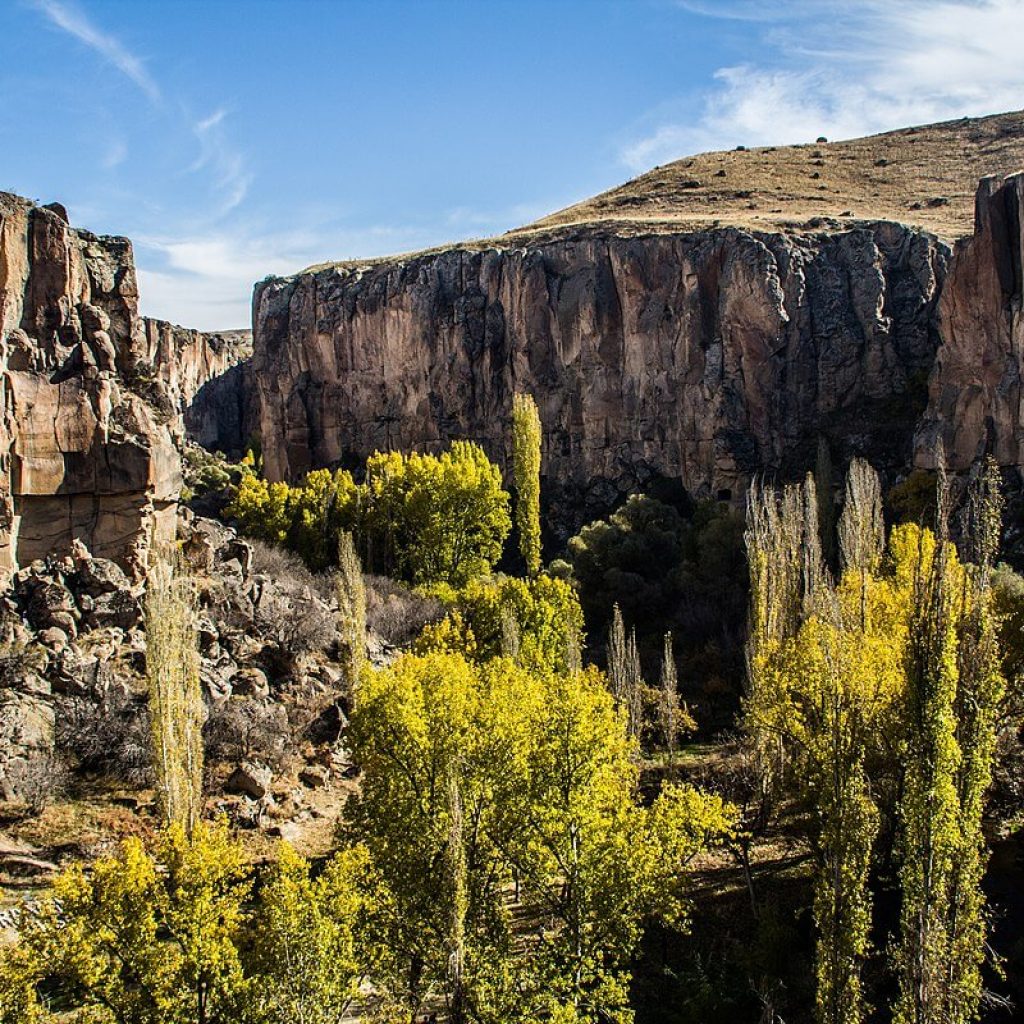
point(613, 616)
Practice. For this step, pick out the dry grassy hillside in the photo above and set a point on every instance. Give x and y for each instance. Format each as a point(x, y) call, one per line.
point(923, 176)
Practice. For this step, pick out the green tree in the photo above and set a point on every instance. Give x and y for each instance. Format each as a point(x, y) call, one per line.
point(262, 509)
point(536, 621)
point(175, 696)
point(456, 515)
point(415, 730)
point(928, 806)
point(489, 778)
point(432, 518)
point(980, 695)
point(148, 938)
point(825, 664)
point(526, 456)
point(673, 718)
point(591, 860)
point(308, 954)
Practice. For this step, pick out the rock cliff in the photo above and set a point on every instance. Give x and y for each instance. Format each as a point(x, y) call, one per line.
point(92, 395)
point(82, 455)
point(702, 356)
point(191, 367)
point(705, 357)
point(975, 394)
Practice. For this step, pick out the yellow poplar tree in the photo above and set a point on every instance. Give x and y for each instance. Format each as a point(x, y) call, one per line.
point(175, 695)
point(526, 455)
point(351, 593)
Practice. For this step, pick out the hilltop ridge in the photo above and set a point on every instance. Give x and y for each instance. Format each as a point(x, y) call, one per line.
point(922, 176)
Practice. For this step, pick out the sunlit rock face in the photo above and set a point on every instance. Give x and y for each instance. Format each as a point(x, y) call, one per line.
point(975, 392)
point(85, 447)
point(704, 357)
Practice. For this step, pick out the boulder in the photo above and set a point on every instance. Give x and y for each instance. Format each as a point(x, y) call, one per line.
point(26, 737)
point(96, 576)
point(250, 779)
point(120, 608)
point(314, 776)
point(250, 682)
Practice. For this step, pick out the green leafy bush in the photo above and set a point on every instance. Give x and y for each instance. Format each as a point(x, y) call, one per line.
point(426, 518)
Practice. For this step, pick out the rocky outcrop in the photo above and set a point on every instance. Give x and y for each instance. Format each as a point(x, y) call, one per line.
point(976, 390)
point(73, 656)
point(186, 362)
point(83, 455)
point(704, 357)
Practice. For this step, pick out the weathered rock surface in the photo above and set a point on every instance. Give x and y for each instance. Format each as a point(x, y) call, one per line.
point(976, 394)
point(191, 367)
point(705, 357)
point(73, 656)
point(93, 396)
point(82, 454)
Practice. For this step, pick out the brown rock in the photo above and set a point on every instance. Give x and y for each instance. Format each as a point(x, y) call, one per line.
point(250, 779)
point(314, 776)
point(88, 458)
point(705, 357)
point(975, 392)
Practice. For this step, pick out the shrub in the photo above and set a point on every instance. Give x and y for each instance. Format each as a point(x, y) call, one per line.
point(396, 613)
point(431, 518)
point(39, 779)
point(110, 736)
point(244, 728)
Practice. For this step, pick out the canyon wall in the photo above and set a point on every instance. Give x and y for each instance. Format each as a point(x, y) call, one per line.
point(202, 380)
point(975, 393)
point(703, 357)
point(92, 396)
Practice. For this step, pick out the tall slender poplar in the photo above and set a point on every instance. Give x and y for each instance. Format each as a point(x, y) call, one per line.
point(526, 455)
point(175, 697)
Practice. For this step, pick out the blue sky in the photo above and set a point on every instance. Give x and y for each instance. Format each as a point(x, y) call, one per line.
point(231, 140)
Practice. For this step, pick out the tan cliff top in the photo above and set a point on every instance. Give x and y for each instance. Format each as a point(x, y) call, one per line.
point(923, 176)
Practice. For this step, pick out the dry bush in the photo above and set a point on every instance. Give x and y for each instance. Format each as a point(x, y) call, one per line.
point(396, 613)
point(110, 736)
point(18, 660)
point(297, 610)
point(244, 729)
point(288, 569)
point(299, 622)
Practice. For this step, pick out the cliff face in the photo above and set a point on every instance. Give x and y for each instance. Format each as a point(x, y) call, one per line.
point(705, 357)
point(201, 380)
point(82, 454)
point(975, 394)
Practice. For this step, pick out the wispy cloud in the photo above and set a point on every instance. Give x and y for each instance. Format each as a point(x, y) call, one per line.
point(228, 165)
point(109, 47)
point(205, 280)
point(115, 154)
point(842, 70)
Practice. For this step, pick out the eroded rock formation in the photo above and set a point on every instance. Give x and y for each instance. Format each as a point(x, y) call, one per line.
point(82, 454)
point(705, 357)
point(200, 381)
point(975, 394)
